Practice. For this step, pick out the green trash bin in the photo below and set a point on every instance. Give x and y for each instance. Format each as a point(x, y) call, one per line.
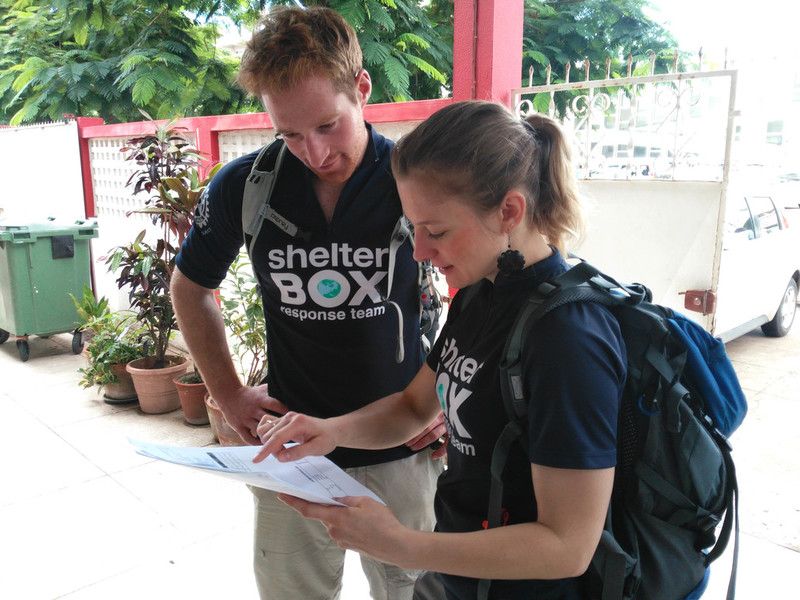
point(41, 264)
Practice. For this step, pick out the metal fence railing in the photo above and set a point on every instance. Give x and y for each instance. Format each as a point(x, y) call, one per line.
point(667, 126)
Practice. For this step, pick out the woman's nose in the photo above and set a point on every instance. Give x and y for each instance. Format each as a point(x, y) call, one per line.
point(423, 250)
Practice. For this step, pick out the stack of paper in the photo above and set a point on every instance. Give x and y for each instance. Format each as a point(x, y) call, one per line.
point(314, 478)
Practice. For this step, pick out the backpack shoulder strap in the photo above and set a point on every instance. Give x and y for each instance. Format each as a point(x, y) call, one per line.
point(258, 192)
point(430, 302)
point(259, 185)
point(581, 283)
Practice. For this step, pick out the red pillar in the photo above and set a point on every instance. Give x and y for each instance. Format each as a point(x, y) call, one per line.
point(487, 49)
point(207, 142)
point(86, 168)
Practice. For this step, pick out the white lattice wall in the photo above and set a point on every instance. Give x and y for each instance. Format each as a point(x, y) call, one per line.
point(110, 174)
point(233, 144)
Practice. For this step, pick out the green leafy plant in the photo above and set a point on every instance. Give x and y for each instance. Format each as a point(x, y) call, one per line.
point(146, 274)
point(89, 308)
point(243, 315)
point(117, 338)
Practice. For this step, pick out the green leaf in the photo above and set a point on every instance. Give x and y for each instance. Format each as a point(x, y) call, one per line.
point(354, 13)
point(33, 66)
point(81, 29)
point(143, 91)
point(375, 53)
point(411, 39)
point(380, 15)
point(426, 68)
point(28, 112)
point(396, 72)
point(541, 102)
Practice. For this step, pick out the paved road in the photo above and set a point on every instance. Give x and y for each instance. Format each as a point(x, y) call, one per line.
point(767, 445)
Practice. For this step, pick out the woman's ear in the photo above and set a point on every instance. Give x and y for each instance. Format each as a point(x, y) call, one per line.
point(512, 210)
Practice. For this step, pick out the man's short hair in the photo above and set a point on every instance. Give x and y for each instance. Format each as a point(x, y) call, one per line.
point(291, 44)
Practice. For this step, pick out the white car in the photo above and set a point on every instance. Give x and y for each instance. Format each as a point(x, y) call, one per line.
point(759, 269)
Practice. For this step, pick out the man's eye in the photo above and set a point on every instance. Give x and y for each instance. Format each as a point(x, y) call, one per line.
point(436, 236)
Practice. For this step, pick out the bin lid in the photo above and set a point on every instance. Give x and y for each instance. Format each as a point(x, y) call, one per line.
point(21, 232)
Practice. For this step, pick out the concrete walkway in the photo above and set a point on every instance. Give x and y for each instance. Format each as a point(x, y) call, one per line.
point(83, 517)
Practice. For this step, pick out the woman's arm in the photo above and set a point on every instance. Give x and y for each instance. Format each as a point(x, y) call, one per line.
point(572, 507)
point(385, 423)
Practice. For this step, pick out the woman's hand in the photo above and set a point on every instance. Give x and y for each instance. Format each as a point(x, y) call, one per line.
point(363, 525)
point(314, 437)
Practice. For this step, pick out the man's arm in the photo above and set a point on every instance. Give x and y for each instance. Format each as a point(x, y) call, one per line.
point(200, 323)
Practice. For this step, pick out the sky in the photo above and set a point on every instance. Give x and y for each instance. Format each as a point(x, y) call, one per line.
point(749, 30)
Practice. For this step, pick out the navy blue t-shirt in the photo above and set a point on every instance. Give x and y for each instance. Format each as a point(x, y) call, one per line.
point(331, 335)
point(573, 367)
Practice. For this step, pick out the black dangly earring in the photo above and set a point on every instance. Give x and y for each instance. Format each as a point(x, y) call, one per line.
point(510, 261)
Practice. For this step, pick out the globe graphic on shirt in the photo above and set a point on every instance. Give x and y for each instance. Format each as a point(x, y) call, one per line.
point(329, 288)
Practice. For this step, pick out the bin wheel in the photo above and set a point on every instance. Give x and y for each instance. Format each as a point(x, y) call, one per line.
point(3, 336)
point(24, 350)
point(77, 342)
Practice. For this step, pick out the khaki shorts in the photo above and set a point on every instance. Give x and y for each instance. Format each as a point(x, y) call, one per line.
point(295, 558)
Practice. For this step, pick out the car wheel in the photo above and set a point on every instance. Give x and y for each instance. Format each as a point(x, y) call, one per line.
point(782, 323)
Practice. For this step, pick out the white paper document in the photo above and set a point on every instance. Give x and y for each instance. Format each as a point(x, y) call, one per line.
point(314, 478)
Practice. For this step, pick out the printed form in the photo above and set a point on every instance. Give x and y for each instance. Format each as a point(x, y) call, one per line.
point(314, 478)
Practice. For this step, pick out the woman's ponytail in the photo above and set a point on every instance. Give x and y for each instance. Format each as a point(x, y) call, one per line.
point(556, 210)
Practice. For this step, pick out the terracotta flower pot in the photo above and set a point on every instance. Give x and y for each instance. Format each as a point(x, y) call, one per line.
point(223, 433)
point(122, 391)
point(157, 393)
point(192, 397)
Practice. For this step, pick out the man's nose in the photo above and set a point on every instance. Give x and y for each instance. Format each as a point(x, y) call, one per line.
point(316, 151)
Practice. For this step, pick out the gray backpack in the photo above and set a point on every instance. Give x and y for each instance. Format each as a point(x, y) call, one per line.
point(256, 209)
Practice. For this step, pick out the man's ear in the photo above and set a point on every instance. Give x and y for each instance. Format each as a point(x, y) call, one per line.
point(512, 209)
point(363, 87)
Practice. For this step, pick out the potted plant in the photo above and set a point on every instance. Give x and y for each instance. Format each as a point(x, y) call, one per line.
point(192, 393)
point(243, 315)
point(114, 340)
point(169, 174)
point(146, 274)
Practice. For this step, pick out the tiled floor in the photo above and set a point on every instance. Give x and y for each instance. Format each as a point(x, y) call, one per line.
point(83, 517)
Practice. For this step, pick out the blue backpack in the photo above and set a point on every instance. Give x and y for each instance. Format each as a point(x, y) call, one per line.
point(674, 502)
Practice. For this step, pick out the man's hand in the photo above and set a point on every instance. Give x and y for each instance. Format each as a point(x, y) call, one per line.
point(245, 408)
point(431, 435)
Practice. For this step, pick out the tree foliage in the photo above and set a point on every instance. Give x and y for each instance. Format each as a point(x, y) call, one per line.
point(110, 58)
point(575, 31)
point(570, 35)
